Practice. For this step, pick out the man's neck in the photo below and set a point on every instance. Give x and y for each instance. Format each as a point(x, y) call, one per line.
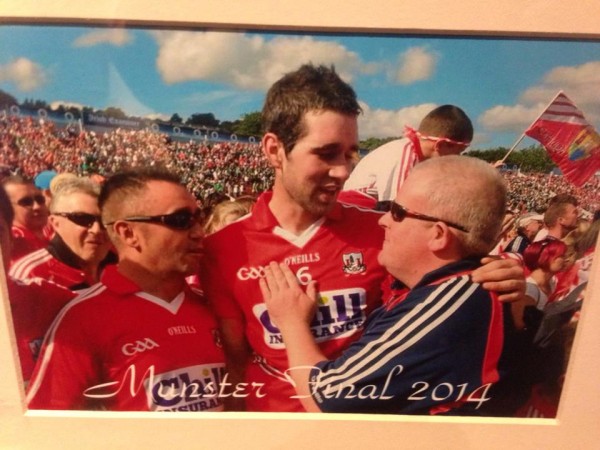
point(556, 232)
point(165, 287)
point(291, 216)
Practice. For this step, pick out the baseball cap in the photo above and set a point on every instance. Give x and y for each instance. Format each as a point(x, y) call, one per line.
point(526, 219)
point(42, 180)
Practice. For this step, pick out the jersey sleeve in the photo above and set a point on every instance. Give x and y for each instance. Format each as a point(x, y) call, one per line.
point(424, 356)
point(66, 367)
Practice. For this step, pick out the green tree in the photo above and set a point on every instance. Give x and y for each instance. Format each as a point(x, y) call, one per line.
point(372, 143)
point(202, 120)
point(249, 125)
point(176, 118)
point(35, 104)
point(228, 126)
point(112, 111)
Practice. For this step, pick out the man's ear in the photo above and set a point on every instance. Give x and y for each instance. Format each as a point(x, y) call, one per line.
point(273, 149)
point(126, 233)
point(440, 237)
point(54, 222)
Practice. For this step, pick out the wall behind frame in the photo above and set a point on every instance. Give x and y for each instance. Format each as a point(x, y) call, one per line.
point(576, 425)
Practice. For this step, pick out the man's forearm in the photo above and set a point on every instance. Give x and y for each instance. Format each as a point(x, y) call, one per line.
point(303, 355)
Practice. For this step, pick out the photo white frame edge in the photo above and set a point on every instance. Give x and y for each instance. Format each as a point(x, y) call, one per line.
point(577, 421)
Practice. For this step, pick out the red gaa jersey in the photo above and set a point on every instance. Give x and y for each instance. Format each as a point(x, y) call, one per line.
point(25, 242)
point(34, 303)
point(116, 347)
point(42, 264)
point(339, 251)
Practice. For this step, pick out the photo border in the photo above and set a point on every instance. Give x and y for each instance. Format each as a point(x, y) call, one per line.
point(577, 422)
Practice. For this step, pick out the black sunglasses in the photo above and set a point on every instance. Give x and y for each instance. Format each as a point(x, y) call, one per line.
point(183, 219)
point(82, 219)
point(26, 202)
point(399, 212)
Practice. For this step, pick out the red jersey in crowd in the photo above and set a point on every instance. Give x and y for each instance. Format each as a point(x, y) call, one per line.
point(25, 242)
point(34, 303)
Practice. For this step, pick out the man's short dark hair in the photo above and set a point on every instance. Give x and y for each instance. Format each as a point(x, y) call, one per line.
point(17, 179)
point(307, 89)
point(120, 186)
point(564, 198)
point(447, 121)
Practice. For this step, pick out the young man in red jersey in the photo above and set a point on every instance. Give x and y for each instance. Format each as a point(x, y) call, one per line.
point(311, 140)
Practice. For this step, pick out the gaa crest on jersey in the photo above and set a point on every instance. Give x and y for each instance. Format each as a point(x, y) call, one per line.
point(353, 263)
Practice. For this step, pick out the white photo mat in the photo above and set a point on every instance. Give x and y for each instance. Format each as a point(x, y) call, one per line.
point(577, 423)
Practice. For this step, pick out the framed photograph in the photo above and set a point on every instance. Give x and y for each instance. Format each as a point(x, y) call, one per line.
point(562, 23)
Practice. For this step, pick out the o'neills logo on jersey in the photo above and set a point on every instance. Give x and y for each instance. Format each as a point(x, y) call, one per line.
point(194, 388)
point(353, 263)
point(339, 314)
point(302, 259)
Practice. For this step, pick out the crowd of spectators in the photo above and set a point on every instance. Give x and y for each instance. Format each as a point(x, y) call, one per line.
point(212, 171)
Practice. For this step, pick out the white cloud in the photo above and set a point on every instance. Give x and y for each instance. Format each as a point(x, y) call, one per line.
point(383, 123)
point(415, 64)
point(510, 118)
point(25, 74)
point(246, 61)
point(159, 116)
point(113, 36)
point(67, 104)
point(580, 83)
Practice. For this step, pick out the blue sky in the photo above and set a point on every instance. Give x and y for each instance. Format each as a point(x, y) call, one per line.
point(502, 84)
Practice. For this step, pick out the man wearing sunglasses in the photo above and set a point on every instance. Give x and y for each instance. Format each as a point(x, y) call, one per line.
point(434, 349)
point(30, 228)
point(74, 255)
point(33, 304)
point(311, 140)
point(446, 130)
point(141, 339)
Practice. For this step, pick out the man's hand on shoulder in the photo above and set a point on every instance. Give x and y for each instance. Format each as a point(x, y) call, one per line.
point(503, 275)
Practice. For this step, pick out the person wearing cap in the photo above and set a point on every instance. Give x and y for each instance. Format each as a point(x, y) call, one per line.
point(446, 130)
point(30, 231)
point(528, 226)
point(72, 258)
point(43, 181)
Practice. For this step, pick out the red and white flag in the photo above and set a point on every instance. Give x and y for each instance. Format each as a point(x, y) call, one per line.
point(569, 139)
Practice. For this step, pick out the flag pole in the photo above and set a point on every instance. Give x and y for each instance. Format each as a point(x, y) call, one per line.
point(523, 135)
point(512, 148)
